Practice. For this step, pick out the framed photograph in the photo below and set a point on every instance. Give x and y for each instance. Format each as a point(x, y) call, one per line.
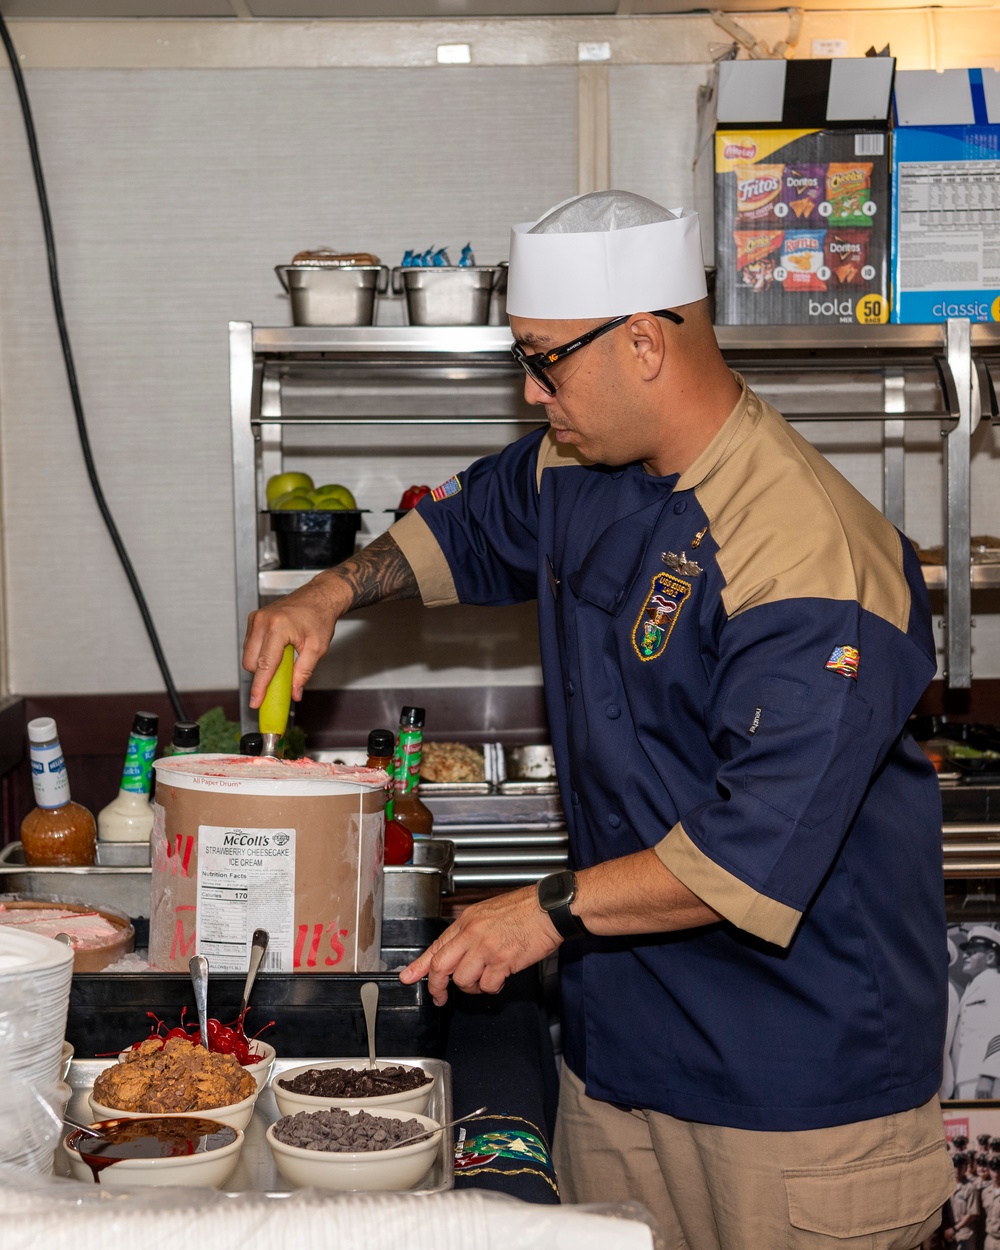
point(971, 1070)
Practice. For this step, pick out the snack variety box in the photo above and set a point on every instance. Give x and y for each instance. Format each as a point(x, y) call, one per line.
point(946, 196)
point(802, 211)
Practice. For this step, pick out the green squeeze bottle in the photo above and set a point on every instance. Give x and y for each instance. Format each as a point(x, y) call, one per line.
point(129, 817)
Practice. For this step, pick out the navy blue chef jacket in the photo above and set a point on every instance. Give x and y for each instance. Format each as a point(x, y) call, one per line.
point(730, 657)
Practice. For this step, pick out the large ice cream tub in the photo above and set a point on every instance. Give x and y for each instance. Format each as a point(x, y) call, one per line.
point(293, 847)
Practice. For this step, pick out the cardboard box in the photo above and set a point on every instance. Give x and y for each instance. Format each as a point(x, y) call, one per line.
point(240, 844)
point(802, 192)
point(946, 196)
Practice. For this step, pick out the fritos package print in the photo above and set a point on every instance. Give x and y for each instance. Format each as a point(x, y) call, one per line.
point(802, 226)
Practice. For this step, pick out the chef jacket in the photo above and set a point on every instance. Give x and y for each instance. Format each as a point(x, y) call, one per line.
point(730, 657)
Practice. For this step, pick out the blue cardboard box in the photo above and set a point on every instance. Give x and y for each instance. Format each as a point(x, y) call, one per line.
point(946, 196)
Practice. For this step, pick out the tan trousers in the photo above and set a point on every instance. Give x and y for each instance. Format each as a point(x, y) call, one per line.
point(877, 1185)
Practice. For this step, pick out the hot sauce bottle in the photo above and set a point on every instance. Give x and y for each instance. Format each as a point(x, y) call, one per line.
point(409, 809)
point(57, 831)
point(398, 838)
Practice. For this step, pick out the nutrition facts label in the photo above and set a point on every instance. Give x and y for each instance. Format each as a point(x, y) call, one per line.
point(949, 225)
point(246, 881)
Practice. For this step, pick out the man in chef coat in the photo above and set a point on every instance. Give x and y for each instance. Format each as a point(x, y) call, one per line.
point(975, 1048)
point(753, 961)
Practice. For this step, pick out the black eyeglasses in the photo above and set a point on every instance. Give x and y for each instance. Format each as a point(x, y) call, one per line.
point(535, 365)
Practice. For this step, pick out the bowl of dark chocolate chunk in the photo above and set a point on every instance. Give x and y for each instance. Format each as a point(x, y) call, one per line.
point(352, 1084)
point(353, 1150)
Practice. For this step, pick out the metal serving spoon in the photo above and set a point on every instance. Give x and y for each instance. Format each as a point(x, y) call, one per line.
point(258, 948)
point(198, 966)
point(369, 1001)
point(82, 1128)
point(431, 1131)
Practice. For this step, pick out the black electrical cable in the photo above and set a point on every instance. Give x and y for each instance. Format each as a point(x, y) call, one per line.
point(74, 389)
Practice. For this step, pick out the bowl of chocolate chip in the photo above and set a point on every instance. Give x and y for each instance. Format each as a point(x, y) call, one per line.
point(353, 1150)
point(159, 1150)
point(353, 1084)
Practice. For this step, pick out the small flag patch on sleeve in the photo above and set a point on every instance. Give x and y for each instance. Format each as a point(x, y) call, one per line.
point(844, 660)
point(451, 487)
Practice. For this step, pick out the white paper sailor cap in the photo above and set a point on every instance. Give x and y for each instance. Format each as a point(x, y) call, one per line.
point(605, 254)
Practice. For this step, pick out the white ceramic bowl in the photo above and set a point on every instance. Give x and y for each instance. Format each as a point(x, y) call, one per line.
point(409, 1102)
point(211, 1169)
point(260, 1072)
point(67, 1059)
point(399, 1168)
point(237, 1114)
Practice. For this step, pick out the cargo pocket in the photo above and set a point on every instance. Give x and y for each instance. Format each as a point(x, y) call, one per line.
point(877, 1205)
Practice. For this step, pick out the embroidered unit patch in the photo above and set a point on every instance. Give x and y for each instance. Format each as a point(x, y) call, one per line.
point(658, 616)
point(844, 660)
point(451, 487)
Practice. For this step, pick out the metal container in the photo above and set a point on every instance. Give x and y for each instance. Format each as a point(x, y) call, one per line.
point(447, 295)
point(256, 1171)
point(410, 891)
point(530, 763)
point(126, 889)
point(332, 295)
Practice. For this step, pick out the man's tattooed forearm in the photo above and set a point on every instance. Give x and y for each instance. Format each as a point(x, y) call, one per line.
point(377, 573)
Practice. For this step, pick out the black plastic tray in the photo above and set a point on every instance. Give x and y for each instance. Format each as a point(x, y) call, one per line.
point(314, 1013)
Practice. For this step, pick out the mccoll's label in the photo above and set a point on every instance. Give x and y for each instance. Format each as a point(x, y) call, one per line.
point(48, 774)
point(137, 776)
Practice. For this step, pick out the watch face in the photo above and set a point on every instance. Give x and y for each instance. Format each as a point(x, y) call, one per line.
point(556, 890)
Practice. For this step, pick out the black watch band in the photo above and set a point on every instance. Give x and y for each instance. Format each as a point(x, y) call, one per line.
point(555, 893)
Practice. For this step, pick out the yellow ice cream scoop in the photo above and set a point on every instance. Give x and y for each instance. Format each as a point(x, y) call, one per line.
point(273, 713)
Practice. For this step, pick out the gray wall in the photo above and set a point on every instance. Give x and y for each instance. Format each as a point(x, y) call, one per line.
point(174, 192)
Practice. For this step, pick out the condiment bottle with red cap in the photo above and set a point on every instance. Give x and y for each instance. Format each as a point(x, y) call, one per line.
point(57, 832)
point(129, 817)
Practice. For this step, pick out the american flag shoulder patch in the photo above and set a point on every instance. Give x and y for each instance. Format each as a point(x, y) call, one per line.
point(451, 487)
point(844, 660)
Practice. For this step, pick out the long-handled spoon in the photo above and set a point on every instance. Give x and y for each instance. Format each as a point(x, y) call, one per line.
point(198, 966)
point(258, 948)
point(81, 1128)
point(369, 1001)
point(431, 1131)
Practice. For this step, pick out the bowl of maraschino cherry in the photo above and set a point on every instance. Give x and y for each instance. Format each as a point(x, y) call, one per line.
point(223, 1039)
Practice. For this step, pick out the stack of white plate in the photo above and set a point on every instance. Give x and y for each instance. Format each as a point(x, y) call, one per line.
point(35, 976)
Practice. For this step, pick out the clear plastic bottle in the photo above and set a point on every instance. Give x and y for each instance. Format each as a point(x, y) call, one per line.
point(56, 832)
point(129, 817)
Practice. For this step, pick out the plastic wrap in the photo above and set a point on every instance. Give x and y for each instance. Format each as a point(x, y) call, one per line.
point(35, 1211)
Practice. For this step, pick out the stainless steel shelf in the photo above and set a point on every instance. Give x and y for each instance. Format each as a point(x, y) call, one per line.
point(281, 581)
point(464, 375)
point(461, 340)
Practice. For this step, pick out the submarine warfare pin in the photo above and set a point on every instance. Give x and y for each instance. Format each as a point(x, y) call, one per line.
point(681, 564)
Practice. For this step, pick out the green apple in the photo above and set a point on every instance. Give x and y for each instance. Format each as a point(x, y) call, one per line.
point(283, 483)
point(332, 496)
point(293, 501)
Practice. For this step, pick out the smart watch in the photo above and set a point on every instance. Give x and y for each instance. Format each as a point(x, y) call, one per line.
point(555, 893)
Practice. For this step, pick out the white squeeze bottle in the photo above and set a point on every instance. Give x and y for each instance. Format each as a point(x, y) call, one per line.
point(129, 817)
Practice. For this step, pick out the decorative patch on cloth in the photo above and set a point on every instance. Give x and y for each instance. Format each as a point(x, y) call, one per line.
point(451, 487)
point(844, 660)
point(658, 615)
point(505, 1152)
